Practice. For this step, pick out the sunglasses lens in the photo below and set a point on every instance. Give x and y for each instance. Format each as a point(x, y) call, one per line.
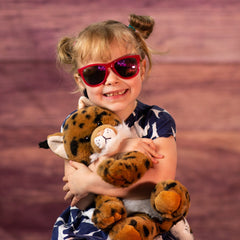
point(94, 75)
point(127, 67)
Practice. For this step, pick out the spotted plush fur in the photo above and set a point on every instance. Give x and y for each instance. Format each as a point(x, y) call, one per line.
point(78, 128)
point(164, 190)
point(125, 169)
point(170, 199)
point(139, 227)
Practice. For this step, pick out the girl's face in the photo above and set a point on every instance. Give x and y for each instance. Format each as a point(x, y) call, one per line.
point(116, 94)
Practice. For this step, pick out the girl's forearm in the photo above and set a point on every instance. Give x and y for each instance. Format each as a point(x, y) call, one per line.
point(84, 180)
point(163, 170)
point(98, 186)
point(139, 190)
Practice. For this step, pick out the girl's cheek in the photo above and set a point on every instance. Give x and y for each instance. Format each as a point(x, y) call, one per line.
point(93, 94)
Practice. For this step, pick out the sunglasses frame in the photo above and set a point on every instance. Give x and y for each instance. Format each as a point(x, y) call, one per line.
point(110, 65)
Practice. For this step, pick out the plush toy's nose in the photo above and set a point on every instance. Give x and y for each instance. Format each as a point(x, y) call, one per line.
point(109, 133)
point(100, 142)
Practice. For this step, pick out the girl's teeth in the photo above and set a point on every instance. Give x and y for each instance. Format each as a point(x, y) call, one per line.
point(115, 93)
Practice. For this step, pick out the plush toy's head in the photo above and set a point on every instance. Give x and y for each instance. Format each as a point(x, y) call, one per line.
point(101, 136)
point(74, 143)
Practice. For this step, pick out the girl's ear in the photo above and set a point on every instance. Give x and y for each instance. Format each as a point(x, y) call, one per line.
point(79, 82)
point(143, 69)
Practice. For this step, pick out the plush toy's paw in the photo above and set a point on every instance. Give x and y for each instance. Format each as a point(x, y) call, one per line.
point(124, 170)
point(182, 230)
point(137, 227)
point(171, 200)
point(108, 211)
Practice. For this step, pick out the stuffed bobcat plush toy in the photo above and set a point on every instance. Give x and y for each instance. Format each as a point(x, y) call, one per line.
point(93, 132)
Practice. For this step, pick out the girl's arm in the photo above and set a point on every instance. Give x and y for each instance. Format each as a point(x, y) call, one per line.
point(83, 180)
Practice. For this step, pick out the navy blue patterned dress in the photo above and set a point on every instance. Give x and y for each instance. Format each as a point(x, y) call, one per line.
point(147, 121)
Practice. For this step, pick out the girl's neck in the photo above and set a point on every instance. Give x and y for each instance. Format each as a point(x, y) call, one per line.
point(124, 114)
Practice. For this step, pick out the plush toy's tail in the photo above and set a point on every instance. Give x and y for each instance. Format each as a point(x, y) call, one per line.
point(43, 144)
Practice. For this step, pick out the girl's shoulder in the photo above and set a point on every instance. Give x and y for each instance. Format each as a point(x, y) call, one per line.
point(149, 113)
point(152, 118)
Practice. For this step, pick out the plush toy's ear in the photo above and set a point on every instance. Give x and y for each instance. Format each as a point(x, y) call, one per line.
point(84, 102)
point(55, 143)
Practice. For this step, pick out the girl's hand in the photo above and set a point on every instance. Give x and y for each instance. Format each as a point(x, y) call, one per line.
point(76, 183)
point(144, 145)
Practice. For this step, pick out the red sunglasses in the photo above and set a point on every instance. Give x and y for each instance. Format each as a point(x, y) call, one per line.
point(96, 74)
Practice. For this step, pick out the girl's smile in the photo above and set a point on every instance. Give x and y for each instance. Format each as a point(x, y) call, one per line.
point(118, 93)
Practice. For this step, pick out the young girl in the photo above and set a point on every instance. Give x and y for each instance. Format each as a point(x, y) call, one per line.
point(109, 61)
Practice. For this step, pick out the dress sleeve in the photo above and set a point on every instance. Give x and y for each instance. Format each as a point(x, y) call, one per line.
point(62, 126)
point(157, 123)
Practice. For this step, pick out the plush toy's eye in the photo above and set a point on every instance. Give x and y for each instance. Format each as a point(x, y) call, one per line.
point(100, 142)
point(109, 133)
point(99, 123)
point(87, 138)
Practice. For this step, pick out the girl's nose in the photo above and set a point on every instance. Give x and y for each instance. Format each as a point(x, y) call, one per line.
point(112, 78)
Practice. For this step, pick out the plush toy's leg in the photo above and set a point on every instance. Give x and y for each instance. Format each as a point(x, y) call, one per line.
point(171, 200)
point(182, 230)
point(138, 227)
point(108, 211)
point(125, 170)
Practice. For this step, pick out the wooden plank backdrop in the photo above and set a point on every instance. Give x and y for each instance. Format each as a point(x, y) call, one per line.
point(197, 81)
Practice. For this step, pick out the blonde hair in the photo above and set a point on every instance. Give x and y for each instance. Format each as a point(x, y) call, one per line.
point(95, 40)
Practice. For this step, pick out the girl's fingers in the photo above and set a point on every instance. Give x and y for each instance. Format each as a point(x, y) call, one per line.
point(152, 152)
point(68, 196)
point(74, 164)
point(157, 155)
point(155, 161)
point(150, 143)
point(76, 199)
point(65, 179)
point(66, 187)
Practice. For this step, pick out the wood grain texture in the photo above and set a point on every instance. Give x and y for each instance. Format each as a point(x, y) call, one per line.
point(200, 31)
point(198, 82)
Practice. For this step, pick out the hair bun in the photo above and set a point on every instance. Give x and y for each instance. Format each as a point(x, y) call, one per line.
point(143, 24)
point(65, 47)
